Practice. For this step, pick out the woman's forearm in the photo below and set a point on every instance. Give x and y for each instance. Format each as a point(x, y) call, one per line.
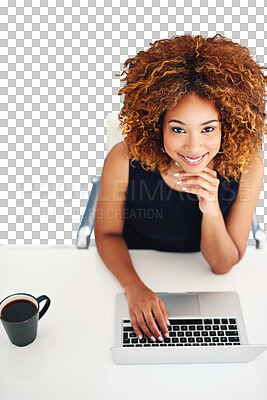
point(114, 253)
point(216, 244)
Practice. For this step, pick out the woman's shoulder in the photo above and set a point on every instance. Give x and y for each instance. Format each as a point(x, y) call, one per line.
point(254, 164)
point(254, 169)
point(120, 152)
point(117, 162)
point(251, 179)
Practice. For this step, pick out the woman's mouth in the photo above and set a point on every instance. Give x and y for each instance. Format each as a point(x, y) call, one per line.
point(193, 161)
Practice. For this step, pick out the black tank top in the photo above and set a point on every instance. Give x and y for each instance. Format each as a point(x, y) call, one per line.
point(160, 218)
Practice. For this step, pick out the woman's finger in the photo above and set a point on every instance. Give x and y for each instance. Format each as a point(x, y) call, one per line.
point(164, 311)
point(136, 326)
point(143, 325)
point(198, 191)
point(211, 171)
point(208, 176)
point(149, 319)
point(161, 320)
point(211, 186)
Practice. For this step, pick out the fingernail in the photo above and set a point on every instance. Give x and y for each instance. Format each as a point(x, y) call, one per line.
point(177, 164)
point(177, 174)
point(168, 322)
point(166, 335)
point(140, 337)
point(152, 338)
point(184, 188)
point(178, 183)
point(160, 338)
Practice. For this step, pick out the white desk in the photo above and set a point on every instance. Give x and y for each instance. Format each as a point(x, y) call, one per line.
point(66, 361)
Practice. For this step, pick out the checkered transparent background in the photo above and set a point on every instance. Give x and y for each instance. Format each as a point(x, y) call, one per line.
point(58, 61)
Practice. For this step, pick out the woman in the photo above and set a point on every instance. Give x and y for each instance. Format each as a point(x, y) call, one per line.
point(188, 175)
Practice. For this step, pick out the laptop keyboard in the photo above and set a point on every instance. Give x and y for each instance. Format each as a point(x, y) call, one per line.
point(188, 332)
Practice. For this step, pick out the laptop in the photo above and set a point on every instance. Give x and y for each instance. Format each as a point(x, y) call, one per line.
point(206, 327)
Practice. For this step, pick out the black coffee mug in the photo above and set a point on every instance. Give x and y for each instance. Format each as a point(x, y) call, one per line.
point(19, 314)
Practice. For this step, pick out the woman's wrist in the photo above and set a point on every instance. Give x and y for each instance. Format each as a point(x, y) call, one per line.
point(133, 285)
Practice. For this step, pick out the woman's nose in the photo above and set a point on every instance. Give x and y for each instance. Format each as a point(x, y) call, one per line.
point(193, 146)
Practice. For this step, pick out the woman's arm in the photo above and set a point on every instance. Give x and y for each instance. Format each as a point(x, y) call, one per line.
point(114, 253)
point(216, 245)
point(143, 304)
point(109, 217)
point(223, 243)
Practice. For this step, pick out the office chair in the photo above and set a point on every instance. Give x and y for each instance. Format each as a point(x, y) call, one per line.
point(85, 230)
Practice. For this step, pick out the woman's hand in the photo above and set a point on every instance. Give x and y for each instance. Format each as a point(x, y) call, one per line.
point(205, 185)
point(144, 305)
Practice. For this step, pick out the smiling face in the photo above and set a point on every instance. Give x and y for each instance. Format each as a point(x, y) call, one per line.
point(192, 129)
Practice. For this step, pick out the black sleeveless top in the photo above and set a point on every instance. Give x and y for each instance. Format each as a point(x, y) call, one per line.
point(160, 218)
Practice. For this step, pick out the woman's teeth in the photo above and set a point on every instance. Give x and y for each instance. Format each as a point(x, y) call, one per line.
point(197, 160)
point(193, 159)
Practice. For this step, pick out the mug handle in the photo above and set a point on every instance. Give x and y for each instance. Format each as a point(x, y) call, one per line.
point(46, 306)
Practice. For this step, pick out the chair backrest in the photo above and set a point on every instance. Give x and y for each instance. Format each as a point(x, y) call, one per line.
point(114, 134)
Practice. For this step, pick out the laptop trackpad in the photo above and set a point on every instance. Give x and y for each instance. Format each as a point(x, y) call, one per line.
point(181, 304)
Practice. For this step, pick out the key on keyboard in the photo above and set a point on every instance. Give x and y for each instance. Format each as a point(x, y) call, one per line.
point(188, 332)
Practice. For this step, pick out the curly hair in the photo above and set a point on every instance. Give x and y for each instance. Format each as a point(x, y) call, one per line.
point(214, 68)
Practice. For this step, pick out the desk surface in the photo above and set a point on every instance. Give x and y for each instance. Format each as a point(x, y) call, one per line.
point(71, 359)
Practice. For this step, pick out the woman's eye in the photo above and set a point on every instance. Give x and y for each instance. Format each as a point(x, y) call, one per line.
point(178, 130)
point(175, 130)
point(210, 127)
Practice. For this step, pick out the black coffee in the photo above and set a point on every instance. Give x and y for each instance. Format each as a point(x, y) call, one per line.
point(18, 310)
